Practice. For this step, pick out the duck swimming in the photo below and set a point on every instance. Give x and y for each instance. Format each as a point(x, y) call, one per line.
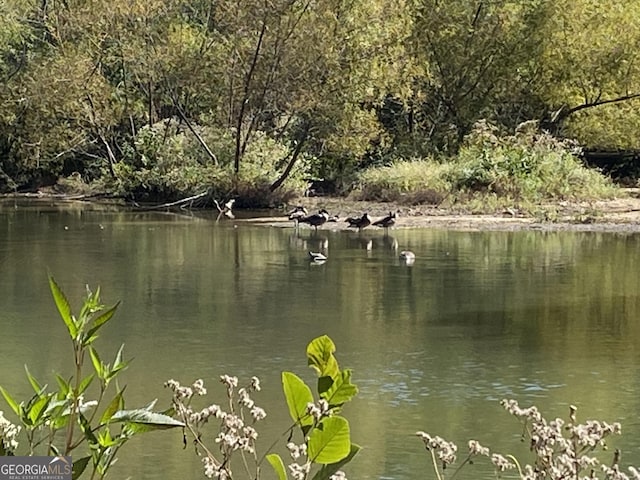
point(317, 256)
point(408, 257)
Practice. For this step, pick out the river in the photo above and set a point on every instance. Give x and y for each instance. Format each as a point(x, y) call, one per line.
point(547, 318)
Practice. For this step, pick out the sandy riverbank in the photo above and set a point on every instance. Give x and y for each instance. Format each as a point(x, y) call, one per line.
point(618, 215)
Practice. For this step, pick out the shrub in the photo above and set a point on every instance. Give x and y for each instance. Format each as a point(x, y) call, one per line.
point(409, 182)
point(166, 163)
point(527, 167)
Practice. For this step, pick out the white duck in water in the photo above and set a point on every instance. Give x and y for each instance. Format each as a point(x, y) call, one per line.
point(408, 257)
point(317, 256)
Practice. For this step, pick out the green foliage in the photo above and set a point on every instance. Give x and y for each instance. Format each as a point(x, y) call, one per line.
point(167, 162)
point(298, 395)
point(529, 167)
point(48, 414)
point(526, 167)
point(96, 88)
point(324, 435)
point(411, 182)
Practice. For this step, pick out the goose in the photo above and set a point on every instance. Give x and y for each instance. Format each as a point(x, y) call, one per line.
point(317, 256)
point(316, 219)
point(297, 213)
point(408, 256)
point(362, 222)
point(226, 209)
point(386, 222)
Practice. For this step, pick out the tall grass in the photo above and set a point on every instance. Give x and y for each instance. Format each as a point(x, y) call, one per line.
point(529, 167)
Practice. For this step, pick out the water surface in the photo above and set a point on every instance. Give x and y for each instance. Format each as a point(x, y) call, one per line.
point(550, 319)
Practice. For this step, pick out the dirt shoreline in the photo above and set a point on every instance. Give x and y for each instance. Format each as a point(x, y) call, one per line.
point(620, 215)
point(617, 215)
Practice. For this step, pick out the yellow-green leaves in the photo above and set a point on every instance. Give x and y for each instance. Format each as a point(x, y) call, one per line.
point(320, 356)
point(326, 434)
point(341, 390)
point(330, 442)
point(298, 396)
point(84, 328)
point(278, 465)
point(63, 308)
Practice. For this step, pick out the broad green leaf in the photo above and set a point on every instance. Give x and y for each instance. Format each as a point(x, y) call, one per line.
point(38, 408)
point(150, 420)
point(278, 465)
point(12, 403)
point(330, 442)
point(79, 466)
point(63, 308)
point(99, 322)
point(115, 404)
point(298, 396)
point(320, 356)
point(326, 471)
point(342, 389)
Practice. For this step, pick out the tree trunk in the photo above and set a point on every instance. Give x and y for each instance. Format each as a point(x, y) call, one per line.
point(296, 152)
point(245, 96)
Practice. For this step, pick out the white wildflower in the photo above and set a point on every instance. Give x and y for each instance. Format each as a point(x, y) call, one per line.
point(300, 472)
point(446, 451)
point(297, 451)
point(501, 463)
point(255, 384)
point(258, 413)
point(339, 475)
point(476, 449)
point(198, 387)
point(230, 382)
point(8, 433)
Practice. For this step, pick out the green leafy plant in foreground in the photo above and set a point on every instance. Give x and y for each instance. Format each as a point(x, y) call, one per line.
point(324, 445)
point(60, 421)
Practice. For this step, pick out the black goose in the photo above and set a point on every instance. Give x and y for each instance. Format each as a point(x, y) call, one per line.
point(359, 222)
point(316, 219)
point(297, 214)
point(386, 222)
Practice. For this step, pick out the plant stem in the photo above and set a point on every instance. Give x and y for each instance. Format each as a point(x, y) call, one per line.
point(435, 463)
point(74, 406)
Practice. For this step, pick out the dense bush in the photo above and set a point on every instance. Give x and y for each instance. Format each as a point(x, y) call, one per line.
point(527, 167)
point(166, 162)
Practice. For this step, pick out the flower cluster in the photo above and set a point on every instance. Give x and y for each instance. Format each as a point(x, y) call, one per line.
point(8, 434)
point(561, 449)
point(234, 434)
point(446, 451)
point(319, 410)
